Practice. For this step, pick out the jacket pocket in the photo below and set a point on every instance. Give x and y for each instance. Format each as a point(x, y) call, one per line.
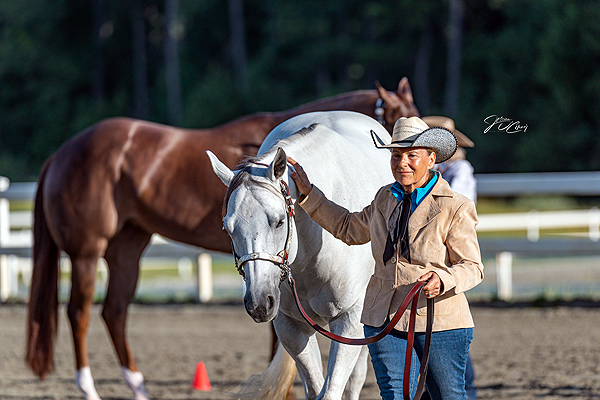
point(443, 305)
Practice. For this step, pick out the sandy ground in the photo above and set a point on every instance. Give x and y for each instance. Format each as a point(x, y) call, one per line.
point(518, 353)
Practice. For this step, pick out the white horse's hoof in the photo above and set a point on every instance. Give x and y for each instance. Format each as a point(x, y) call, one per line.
point(85, 383)
point(135, 380)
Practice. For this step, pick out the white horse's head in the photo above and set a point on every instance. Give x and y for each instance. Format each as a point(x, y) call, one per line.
point(261, 228)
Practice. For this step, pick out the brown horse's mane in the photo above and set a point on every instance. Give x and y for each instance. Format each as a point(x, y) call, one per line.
point(340, 99)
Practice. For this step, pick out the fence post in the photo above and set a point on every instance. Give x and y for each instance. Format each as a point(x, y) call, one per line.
point(594, 224)
point(5, 285)
point(4, 213)
point(504, 275)
point(204, 278)
point(533, 226)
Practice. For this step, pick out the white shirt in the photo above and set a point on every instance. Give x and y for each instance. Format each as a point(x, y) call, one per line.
point(459, 174)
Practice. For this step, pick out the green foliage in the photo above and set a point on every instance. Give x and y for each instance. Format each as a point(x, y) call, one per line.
point(212, 101)
point(539, 65)
point(536, 62)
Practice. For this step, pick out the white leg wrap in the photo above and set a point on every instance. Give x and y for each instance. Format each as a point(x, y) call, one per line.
point(85, 383)
point(135, 380)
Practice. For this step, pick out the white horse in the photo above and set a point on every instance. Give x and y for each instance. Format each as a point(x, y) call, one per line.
point(336, 150)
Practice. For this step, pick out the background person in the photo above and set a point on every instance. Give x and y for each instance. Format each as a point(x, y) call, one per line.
point(456, 170)
point(420, 231)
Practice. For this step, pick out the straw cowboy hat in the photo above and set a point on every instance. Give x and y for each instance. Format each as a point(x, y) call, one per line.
point(413, 132)
point(448, 123)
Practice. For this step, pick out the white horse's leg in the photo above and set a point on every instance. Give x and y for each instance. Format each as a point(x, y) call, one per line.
point(343, 359)
point(300, 342)
point(358, 376)
point(85, 383)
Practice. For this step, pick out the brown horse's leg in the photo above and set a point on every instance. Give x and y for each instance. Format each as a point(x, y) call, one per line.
point(274, 345)
point(123, 257)
point(82, 296)
point(274, 340)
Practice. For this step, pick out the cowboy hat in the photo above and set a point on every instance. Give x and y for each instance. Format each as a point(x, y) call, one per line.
point(448, 123)
point(413, 132)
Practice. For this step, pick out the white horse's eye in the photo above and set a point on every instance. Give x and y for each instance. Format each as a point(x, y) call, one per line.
point(279, 224)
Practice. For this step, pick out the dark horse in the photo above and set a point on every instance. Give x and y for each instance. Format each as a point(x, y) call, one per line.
point(109, 188)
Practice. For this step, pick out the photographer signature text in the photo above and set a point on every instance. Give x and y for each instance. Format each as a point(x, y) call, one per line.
point(500, 123)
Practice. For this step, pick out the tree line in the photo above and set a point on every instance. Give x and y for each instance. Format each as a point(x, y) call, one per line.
point(66, 64)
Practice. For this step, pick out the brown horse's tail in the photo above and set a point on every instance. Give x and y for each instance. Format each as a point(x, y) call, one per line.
point(42, 320)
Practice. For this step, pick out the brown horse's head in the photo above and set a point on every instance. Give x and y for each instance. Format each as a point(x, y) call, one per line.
point(399, 104)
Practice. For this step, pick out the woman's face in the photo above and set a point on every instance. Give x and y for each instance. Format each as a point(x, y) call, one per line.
point(410, 166)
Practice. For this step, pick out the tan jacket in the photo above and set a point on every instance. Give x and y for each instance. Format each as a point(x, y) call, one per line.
point(442, 239)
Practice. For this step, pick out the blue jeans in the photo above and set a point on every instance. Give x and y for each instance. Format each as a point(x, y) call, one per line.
point(469, 378)
point(446, 369)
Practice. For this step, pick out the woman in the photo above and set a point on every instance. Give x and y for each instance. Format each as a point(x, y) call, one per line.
point(420, 231)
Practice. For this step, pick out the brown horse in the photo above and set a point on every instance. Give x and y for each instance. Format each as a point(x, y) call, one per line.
point(109, 188)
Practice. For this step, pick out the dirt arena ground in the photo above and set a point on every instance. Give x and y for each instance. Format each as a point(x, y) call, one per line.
point(518, 353)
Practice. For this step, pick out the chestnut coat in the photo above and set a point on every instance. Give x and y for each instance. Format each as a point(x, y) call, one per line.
point(442, 239)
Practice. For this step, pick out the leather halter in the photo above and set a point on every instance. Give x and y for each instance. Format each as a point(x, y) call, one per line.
point(281, 259)
point(380, 110)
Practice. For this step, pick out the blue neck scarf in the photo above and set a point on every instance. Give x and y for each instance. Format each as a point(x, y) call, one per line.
point(398, 222)
point(417, 195)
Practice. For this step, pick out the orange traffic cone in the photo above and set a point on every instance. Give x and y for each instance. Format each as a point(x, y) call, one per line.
point(201, 381)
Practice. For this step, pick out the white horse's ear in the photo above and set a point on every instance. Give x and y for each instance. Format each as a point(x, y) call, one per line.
point(222, 171)
point(277, 167)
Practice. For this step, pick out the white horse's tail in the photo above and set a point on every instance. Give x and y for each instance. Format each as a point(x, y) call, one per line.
point(272, 384)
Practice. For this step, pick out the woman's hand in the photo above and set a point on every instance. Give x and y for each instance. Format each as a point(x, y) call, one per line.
point(302, 183)
point(434, 285)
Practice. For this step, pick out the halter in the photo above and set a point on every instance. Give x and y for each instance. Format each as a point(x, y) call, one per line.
point(281, 259)
point(379, 111)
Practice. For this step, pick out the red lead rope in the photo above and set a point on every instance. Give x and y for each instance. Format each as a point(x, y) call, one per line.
point(412, 296)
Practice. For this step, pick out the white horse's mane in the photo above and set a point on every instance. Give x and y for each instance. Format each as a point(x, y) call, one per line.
point(245, 171)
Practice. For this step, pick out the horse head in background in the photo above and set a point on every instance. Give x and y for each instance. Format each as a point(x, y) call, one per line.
point(396, 105)
point(109, 188)
point(336, 150)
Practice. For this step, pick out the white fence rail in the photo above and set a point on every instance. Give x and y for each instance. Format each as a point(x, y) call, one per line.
point(16, 241)
point(533, 221)
point(585, 183)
